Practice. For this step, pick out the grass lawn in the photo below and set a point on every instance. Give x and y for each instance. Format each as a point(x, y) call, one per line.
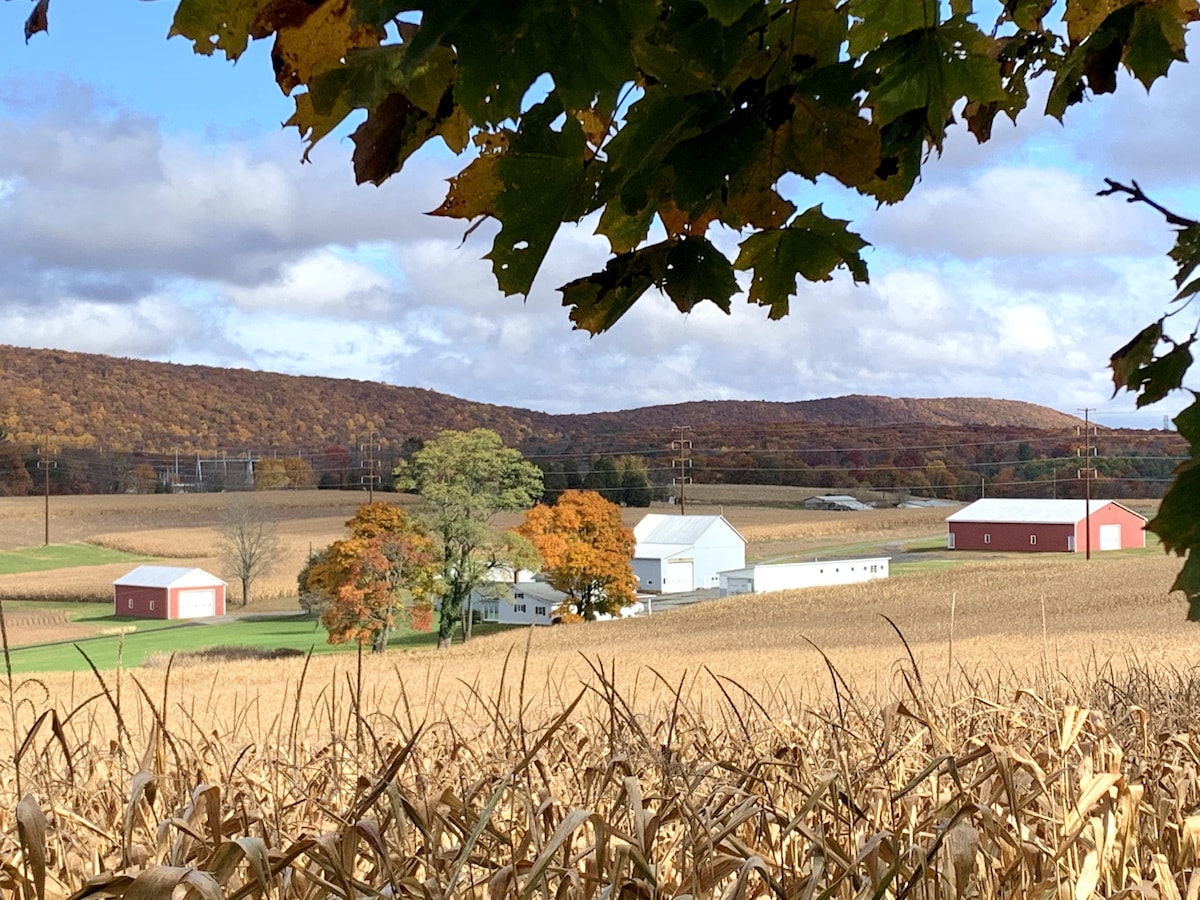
point(295, 632)
point(62, 556)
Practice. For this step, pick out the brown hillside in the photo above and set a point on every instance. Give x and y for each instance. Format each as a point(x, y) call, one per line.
point(91, 401)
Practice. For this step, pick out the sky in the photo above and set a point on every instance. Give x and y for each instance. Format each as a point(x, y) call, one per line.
point(152, 206)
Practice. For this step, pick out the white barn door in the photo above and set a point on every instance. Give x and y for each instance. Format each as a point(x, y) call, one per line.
point(1110, 537)
point(197, 603)
point(679, 576)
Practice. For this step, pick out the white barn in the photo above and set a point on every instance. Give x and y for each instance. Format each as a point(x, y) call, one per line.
point(784, 576)
point(684, 553)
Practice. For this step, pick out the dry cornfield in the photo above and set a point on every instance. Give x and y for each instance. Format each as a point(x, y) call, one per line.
point(396, 779)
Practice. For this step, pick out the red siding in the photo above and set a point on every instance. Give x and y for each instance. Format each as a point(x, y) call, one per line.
point(1133, 527)
point(130, 600)
point(1011, 537)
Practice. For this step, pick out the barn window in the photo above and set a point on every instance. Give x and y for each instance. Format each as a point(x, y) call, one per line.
point(152, 606)
point(987, 538)
point(130, 603)
point(1032, 539)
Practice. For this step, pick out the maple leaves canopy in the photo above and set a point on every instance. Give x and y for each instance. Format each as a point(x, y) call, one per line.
point(662, 118)
point(586, 551)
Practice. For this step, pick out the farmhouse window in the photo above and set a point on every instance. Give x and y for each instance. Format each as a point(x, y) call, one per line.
point(1032, 539)
point(519, 607)
point(987, 538)
point(539, 610)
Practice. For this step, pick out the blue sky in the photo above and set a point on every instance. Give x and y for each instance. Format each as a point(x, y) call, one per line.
point(151, 206)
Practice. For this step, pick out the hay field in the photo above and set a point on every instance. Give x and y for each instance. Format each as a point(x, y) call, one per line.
point(181, 528)
point(1045, 748)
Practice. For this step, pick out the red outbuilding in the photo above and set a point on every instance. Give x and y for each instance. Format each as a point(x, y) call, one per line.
point(168, 592)
point(1045, 526)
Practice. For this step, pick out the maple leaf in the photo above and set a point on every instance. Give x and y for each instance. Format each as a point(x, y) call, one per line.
point(812, 246)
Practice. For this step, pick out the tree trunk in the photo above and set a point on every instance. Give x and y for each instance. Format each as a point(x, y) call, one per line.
point(245, 591)
point(443, 641)
point(467, 619)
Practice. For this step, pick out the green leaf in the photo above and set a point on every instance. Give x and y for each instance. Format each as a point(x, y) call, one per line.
point(216, 24)
point(1164, 374)
point(1084, 17)
point(877, 21)
point(1028, 14)
point(697, 271)
point(624, 231)
point(599, 300)
point(931, 70)
point(1186, 254)
point(1157, 38)
point(728, 11)
point(543, 174)
point(1127, 363)
point(1177, 523)
point(812, 246)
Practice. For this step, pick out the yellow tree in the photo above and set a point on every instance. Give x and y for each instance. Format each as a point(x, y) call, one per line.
point(385, 568)
point(586, 550)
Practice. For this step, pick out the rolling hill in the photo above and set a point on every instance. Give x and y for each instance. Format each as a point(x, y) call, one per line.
point(91, 401)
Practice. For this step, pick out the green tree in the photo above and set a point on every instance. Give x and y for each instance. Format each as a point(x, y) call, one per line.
point(604, 479)
point(465, 478)
point(635, 481)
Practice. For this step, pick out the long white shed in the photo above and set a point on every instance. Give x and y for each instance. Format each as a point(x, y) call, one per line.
point(760, 579)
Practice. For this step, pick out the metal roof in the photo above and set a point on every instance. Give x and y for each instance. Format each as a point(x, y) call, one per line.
point(1040, 512)
point(167, 577)
point(656, 528)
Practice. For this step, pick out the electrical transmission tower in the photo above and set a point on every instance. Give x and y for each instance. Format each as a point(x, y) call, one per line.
point(370, 464)
point(682, 462)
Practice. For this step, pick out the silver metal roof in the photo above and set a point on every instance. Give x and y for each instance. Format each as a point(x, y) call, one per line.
point(1040, 512)
point(167, 577)
point(656, 528)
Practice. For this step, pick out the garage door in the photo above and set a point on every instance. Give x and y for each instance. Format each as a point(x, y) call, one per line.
point(196, 603)
point(1110, 537)
point(679, 575)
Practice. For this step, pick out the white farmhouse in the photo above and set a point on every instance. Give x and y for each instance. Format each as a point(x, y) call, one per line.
point(684, 553)
point(785, 576)
point(519, 603)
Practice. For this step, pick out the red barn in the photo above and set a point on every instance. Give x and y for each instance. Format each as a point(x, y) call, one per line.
point(1045, 526)
point(168, 592)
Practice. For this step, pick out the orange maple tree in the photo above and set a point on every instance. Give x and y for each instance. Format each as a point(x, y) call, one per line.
point(586, 551)
point(385, 568)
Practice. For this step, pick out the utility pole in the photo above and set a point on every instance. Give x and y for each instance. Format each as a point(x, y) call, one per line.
point(370, 465)
point(44, 463)
point(1087, 473)
point(683, 463)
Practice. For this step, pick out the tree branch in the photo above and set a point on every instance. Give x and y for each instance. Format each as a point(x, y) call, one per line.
point(1136, 195)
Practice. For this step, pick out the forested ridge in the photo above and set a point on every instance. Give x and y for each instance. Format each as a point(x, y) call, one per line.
point(100, 417)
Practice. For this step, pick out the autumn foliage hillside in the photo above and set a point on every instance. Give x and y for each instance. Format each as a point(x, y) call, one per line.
point(104, 415)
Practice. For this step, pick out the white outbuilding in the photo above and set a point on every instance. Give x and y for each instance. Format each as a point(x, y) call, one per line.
point(784, 576)
point(684, 553)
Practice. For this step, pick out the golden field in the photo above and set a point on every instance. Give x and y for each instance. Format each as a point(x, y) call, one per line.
point(1041, 741)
